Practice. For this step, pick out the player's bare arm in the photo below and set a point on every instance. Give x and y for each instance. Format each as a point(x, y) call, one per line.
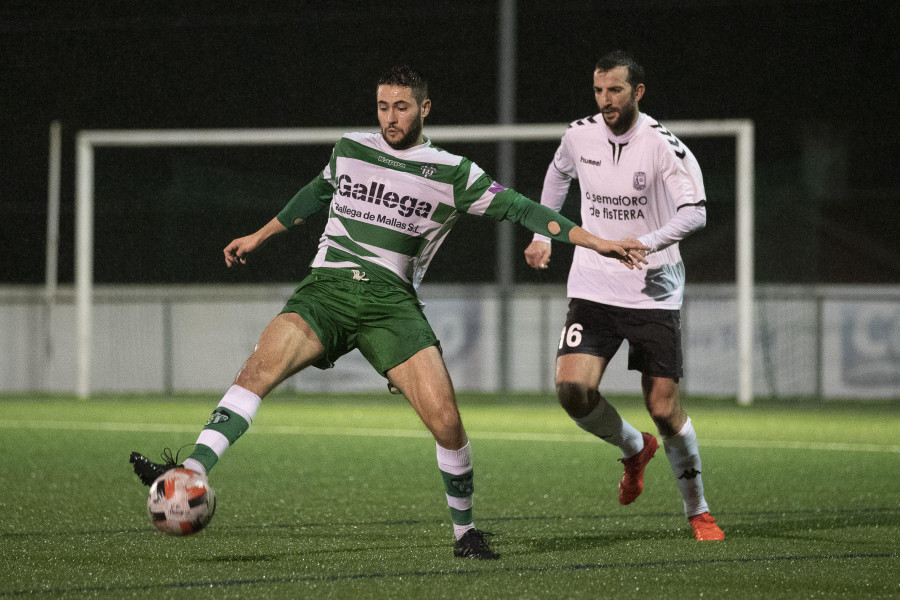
point(537, 255)
point(628, 252)
point(236, 252)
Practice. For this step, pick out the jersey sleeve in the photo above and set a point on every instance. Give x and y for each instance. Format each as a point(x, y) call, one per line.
point(681, 175)
point(312, 198)
point(556, 182)
point(683, 181)
point(690, 218)
point(477, 194)
point(543, 221)
point(563, 160)
point(473, 189)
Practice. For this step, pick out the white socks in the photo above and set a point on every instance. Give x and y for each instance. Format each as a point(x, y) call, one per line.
point(684, 458)
point(681, 450)
point(604, 422)
point(456, 470)
point(230, 419)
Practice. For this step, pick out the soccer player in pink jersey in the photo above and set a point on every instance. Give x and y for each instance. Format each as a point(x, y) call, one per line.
point(637, 181)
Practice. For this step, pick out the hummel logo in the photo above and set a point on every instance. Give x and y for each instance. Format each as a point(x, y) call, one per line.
point(359, 275)
point(589, 161)
point(689, 474)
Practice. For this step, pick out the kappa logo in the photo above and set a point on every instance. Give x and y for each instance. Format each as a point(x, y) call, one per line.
point(689, 474)
point(640, 180)
point(428, 170)
point(220, 415)
point(392, 162)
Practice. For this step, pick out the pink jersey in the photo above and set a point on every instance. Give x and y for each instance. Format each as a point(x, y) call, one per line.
point(631, 186)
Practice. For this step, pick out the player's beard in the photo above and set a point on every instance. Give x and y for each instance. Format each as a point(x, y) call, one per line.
point(409, 139)
point(624, 120)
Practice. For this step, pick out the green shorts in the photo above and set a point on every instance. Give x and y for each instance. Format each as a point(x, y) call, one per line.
point(384, 320)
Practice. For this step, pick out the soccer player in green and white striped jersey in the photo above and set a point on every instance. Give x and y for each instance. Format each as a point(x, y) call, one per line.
point(392, 199)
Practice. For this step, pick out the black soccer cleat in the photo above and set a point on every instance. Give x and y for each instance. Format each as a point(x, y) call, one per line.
point(473, 545)
point(147, 470)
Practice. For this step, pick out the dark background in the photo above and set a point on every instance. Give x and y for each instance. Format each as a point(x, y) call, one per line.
point(819, 78)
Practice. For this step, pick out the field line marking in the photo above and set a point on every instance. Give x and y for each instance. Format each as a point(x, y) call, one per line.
point(417, 433)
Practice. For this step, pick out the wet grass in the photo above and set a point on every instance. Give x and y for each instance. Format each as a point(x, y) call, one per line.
point(340, 497)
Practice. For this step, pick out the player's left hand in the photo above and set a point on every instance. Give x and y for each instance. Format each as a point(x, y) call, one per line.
point(628, 252)
point(634, 256)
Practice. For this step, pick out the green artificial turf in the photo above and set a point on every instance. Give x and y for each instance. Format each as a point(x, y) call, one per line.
point(340, 497)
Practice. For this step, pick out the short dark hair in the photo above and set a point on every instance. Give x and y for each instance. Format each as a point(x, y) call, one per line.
point(406, 76)
point(620, 58)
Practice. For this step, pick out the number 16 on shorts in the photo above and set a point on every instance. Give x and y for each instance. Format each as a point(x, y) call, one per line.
point(571, 336)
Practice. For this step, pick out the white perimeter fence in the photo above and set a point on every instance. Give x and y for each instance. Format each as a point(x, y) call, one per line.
point(825, 341)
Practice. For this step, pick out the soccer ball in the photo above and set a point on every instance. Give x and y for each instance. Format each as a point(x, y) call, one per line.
point(181, 502)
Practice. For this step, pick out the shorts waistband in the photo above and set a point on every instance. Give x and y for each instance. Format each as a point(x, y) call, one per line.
point(361, 276)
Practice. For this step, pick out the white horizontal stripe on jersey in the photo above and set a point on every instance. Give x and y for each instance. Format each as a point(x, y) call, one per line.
point(480, 206)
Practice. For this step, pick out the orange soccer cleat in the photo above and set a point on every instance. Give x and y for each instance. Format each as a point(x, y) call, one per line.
point(632, 483)
point(705, 528)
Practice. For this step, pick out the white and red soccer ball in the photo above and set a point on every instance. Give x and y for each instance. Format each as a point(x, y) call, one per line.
point(181, 502)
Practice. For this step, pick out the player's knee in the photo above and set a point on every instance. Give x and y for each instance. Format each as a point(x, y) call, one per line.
point(667, 415)
point(575, 398)
point(663, 421)
point(447, 429)
point(259, 376)
point(449, 434)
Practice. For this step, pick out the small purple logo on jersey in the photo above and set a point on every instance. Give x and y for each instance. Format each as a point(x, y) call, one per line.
point(495, 188)
point(640, 180)
point(428, 170)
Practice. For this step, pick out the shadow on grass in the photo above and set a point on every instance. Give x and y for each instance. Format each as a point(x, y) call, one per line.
point(764, 524)
point(789, 524)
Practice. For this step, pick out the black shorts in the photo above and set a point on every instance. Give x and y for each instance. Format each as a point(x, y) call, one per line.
point(654, 336)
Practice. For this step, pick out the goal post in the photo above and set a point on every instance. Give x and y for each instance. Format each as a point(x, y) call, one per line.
point(741, 130)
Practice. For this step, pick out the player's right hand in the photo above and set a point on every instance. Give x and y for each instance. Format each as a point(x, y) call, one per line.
point(236, 252)
point(537, 254)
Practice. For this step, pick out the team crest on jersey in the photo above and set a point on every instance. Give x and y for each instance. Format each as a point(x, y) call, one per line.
point(428, 170)
point(640, 180)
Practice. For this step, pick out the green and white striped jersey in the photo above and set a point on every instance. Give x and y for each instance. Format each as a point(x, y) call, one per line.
point(391, 209)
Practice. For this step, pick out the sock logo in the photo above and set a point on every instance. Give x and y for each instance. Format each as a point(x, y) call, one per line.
point(689, 474)
point(463, 484)
point(220, 415)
